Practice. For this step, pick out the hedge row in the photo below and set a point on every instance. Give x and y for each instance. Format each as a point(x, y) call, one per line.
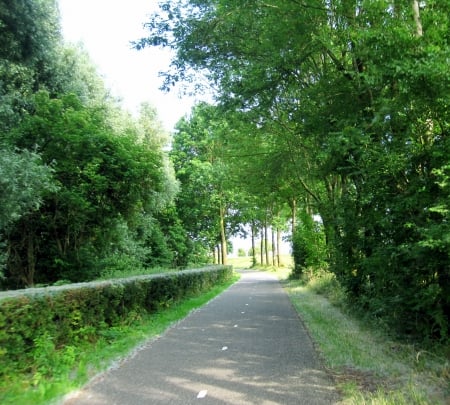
point(67, 314)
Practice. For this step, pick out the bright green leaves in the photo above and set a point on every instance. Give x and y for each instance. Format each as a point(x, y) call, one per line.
point(347, 104)
point(206, 196)
point(84, 182)
point(24, 181)
point(103, 178)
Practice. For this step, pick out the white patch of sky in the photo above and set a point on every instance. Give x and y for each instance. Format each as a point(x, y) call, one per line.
point(106, 28)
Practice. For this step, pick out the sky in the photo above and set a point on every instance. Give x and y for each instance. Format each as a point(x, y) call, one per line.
point(106, 27)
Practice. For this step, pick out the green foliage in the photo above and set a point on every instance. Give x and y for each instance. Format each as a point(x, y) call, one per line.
point(24, 180)
point(308, 245)
point(28, 29)
point(176, 237)
point(102, 178)
point(207, 198)
point(351, 99)
point(37, 325)
point(30, 35)
point(75, 73)
point(84, 182)
point(241, 252)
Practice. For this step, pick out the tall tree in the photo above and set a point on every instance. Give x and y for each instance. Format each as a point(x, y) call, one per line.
point(101, 177)
point(88, 185)
point(361, 89)
point(207, 197)
point(30, 37)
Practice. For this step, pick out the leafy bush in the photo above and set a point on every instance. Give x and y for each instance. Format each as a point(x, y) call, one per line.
point(325, 283)
point(308, 245)
point(241, 252)
point(35, 321)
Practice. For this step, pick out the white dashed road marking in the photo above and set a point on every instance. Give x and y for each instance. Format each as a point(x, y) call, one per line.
point(202, 394)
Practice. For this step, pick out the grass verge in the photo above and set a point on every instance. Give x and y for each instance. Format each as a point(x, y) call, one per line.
point(246, 262)
point(368, 366)
point(62, 370)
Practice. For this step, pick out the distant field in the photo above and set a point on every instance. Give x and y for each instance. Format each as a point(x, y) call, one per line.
point(246, 262)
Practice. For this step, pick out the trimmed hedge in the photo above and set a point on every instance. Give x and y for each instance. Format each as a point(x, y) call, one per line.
point(68, 314)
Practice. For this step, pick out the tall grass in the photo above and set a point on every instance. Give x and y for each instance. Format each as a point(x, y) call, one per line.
point(368, 365)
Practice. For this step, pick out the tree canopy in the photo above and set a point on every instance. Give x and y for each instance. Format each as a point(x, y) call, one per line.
point(330, 117)
point(86, 188)
point(348, 104)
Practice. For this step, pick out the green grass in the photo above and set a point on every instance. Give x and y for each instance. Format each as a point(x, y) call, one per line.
point(246, 262)
point(59, 371)
point(368, 366)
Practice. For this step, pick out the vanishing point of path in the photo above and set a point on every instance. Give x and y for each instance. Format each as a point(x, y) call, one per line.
point(246, 346)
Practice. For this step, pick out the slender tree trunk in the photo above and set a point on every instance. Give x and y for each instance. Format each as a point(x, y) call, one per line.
point(293, 215)
point(266, 244)
point(253, 244)
point(308, 206)
point(223, 237)
point(219, 254)
point(216, 254)
point(278, 247)
point(31, 261)
point(262, 246)
point(274, 249)
point(416, 13)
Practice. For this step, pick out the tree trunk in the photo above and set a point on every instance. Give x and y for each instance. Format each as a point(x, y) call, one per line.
point(253, 244)
point(266, 244)
point(219, 254)
point(262, 246)
point(215, 255)
point(31, 261)
point(274, 249)
point(293, 216)
point(223, 237)
point(416, 13)
point(278, 247)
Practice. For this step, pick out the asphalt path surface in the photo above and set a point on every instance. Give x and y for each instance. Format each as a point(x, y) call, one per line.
point(246, 346)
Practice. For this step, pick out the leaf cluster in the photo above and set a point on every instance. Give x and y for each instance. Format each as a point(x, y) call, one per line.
point(36, 323)
point(346, 113)
point(82, 180)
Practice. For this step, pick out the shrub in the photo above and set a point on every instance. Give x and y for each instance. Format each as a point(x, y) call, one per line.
point(241, 252)
point(308, 245)
point(71, 314)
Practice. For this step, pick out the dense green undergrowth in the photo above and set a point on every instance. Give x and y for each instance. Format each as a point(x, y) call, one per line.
point(370, 365)
point(52, 343)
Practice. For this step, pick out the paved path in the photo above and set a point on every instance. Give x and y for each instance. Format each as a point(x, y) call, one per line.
point(247, 346)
